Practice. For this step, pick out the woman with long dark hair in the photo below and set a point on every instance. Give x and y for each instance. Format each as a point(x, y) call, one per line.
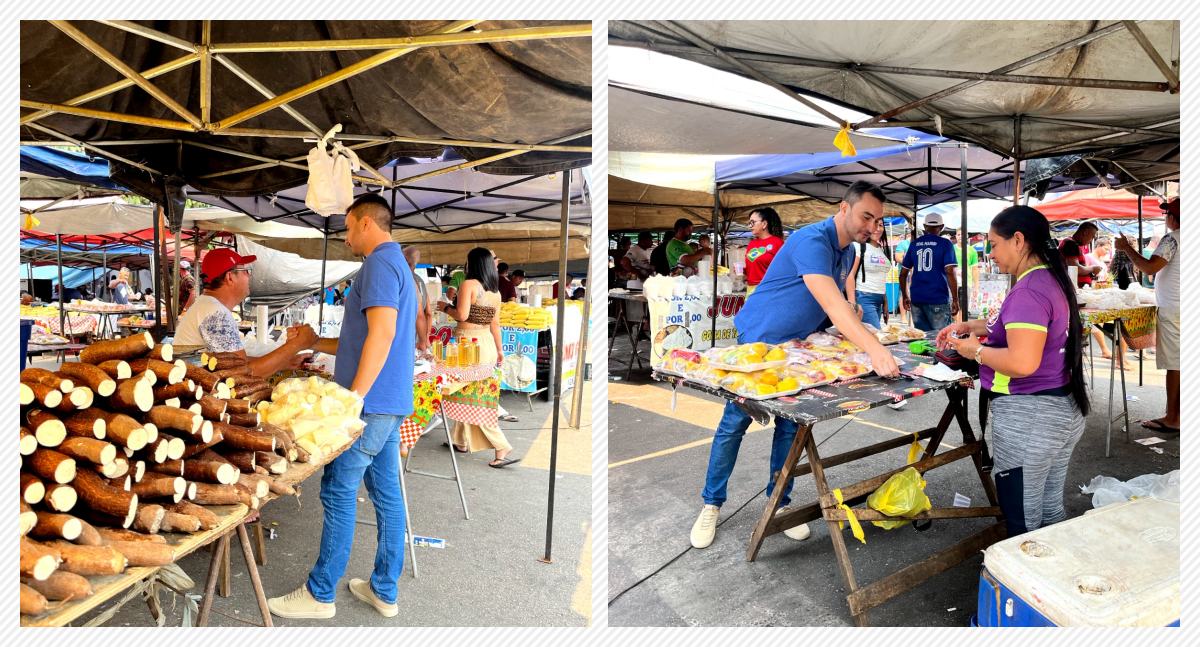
point(1030, 370)
point(767, 230)
point(866, 284)
point(478, 312)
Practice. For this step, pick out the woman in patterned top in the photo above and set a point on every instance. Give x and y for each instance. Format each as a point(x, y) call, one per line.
point(478, 314)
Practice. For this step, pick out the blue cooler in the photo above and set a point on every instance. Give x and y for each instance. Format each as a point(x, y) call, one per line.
point(1117, 566)
point(26, 333)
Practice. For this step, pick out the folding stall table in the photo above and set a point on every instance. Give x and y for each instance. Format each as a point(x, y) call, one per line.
point(834, 401)
point(1138, 326)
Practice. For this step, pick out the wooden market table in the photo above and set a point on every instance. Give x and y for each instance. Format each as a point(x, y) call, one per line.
point(834, 401)
point(233, 520)
point(1138, 325)
point(139, 578)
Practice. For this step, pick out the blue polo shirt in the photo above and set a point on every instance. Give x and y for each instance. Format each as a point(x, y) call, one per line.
point(927, 260)
point(384, 280)
point(781, 307)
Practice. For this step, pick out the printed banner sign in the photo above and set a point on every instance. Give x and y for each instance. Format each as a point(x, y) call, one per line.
point(687, 322)
point(519, 369)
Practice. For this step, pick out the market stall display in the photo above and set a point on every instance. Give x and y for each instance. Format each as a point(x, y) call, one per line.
point(835, 506)
point(128, 445)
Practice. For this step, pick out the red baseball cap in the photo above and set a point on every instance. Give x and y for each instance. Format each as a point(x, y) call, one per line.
point(220, 261)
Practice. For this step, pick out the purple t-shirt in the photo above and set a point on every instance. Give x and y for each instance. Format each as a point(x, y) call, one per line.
point(1036, 302)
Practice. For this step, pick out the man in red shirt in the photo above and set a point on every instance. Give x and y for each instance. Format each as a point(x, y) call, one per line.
point(767, 229)
point(508, 291)
point(1074, 248)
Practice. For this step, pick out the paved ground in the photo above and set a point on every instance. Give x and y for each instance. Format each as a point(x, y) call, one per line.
point(489, 573)
point(657, 462)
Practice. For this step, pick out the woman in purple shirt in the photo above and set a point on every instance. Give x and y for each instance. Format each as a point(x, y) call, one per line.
point(1030, 370)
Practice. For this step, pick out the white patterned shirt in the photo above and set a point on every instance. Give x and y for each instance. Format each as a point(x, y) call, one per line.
point(210, 324)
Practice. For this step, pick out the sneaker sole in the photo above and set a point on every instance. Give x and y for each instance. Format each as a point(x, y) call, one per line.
point(386, 611)
point(308, 615)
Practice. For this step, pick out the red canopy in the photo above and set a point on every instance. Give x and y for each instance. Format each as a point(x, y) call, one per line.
point(1101, 203)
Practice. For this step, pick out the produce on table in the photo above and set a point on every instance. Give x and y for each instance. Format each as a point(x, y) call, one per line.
point(320, 415)
point(516, 315)
point(107, 464)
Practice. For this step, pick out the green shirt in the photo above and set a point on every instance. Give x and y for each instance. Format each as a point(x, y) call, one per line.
point(677, 249)
point(972, 255)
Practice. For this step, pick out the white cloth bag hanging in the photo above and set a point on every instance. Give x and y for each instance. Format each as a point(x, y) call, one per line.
point(330, 187)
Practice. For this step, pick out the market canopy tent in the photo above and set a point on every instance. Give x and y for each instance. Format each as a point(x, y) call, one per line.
point(444, 201)
point(634, 206)
point(1022, 88)
point(1100, 204)
point(924, 172)
point(221, 116)
point(174, 103)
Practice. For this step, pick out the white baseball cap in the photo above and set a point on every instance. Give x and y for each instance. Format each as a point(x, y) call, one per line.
point(933, 220)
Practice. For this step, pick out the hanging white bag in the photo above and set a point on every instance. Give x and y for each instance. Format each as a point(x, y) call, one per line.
point(330, 170)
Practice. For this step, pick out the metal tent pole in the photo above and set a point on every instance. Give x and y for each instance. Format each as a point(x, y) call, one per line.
point(157, 263)
point(581, 362)
point(62, 290)
point(556, 383)
point(1141, 364)
point(716, 245)
point(962, 239)
point(104, 281)
point(175, 303)
point(321, 289)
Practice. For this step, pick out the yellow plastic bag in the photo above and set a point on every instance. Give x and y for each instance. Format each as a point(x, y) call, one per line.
point(902, 495)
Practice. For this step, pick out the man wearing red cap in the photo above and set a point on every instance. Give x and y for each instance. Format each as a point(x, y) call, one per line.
point(1164, 266)
point(210, 322)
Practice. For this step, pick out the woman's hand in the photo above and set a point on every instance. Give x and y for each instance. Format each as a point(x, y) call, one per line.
point(966, 346)
point(947, 333)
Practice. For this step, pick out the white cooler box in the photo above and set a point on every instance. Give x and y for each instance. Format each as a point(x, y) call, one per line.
point(1117, 566)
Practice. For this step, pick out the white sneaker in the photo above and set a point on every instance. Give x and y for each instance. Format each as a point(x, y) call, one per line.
point(301, 604)
point(705, 528)
point(898, 405)
point(362, 590)
point(799, 533)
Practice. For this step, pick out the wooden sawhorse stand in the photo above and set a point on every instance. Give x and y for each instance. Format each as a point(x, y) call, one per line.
point(863, 598)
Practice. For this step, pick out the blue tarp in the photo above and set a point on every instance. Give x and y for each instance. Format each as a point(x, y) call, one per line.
point(111, 249)
point(73, 277)
point(56, 163)
point(759, 167)
point(923, 170)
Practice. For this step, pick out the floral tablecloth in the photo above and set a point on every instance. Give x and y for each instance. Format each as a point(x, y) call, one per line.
point(77, 323)
point(1137, 324)
point(470, 395)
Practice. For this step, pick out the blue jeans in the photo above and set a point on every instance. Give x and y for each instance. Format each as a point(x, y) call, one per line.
point(872, 305)
point(725, 449)
point(931, 317)
point(374, 459)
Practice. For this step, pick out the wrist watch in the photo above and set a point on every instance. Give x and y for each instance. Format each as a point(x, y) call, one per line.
point(978, 352)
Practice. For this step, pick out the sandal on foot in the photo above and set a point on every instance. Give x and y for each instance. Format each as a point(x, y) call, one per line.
point(1157, 425)
point(504, 462)
point(508, 417)
point(461, 450)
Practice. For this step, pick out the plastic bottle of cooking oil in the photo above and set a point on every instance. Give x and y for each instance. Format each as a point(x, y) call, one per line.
point(452, 353)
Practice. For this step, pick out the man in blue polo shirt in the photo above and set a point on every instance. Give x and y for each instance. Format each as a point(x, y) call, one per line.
point(375, 360)
point(931, 261)
point(800, 294)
